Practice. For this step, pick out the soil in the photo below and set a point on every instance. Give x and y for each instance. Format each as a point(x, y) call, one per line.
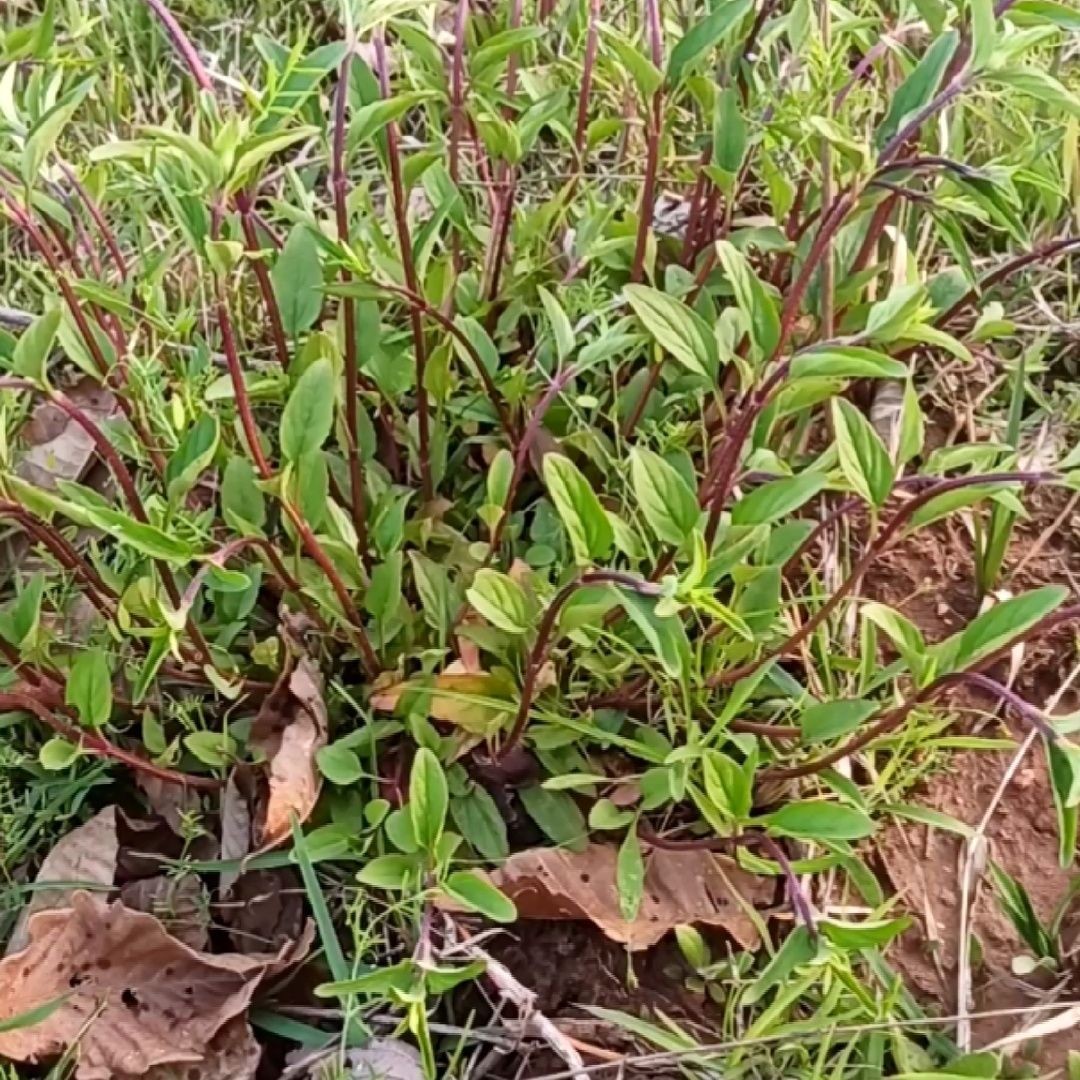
point(929, 580)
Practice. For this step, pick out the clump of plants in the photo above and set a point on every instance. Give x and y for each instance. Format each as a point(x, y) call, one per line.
point(453, 426)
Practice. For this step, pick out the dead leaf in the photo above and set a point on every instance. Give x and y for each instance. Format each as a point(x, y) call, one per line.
point(289, 730)
point(264, 910)
point(180, 904)
point(680, 887)
point(454, 698)
point(57, 447)
point(85, 856)
point(385, 1059)
point(168, 801)
point(235, 824)
point(232, 1055)
point(135, 997)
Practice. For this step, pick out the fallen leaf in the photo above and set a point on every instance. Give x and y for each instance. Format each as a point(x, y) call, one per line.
point(384, 1059)
point(264, 910)
point(232, 1055)
point(134, 997)
point(680, 887)
point(477, 702)
point(235, 825)
point(289, 730)
point(168, 801)
point(85, 856)
point(180, 904)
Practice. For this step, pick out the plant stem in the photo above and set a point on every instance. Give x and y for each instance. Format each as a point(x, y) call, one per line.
point(401, 220)
point(591, 39)
point(869, 557)
point(98, 744)
point(182, 44)
point(539, 651)
point(245, 207)
point(339, 181)
point(653, 129)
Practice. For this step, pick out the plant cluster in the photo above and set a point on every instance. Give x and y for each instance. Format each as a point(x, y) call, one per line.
point(406, 443)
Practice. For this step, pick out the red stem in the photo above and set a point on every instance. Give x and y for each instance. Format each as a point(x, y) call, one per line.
point(340, 185)
point(98, 744)
point(401, 220)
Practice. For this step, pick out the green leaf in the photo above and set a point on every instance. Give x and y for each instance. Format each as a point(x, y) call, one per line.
point(477, 894)
point(21, 617)
point(983, 32)
point(243, 504)
point(89, 687)
point(728, 785)
point(897, 315)
point(499, 475)
point(297, 278)
point(677, 329)
point(390, 872)
point(630, 875)
point(557, 816)
point(309, 413)
point(45, 133)
point(919, 87)
point(1045, 11)
point(561, 328)
point(254, 152)
point(34, 346)
point(644, 73)
point(586, 523)
point(428, 798)
point(818, 820)
point(380, 982)
point(704, 35)
point(370, 119)
point(486, 59)
point(665, 498)
point(729, 130)
point(777, 499)
point(436, 595)
point(846, 362)
point(37, 1015)
point(827, 720)
point(339, 763)
point(217, 749)
point(295, 84)
point(500, 600)
point(477, 818)
point(1001, 624)
point(799, 948)
point(1039, 85)
point(864, 460)
point(852, 936)
point(58, 754)
point(383, 598)
point(192, 456)
point(667, 636)
point(752, 298)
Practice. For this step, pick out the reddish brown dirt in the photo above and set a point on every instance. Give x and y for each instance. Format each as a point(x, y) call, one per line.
point(929, 579)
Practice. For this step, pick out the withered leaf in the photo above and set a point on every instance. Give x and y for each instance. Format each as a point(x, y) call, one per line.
point(85, 856)
point(289, 730)
point(680, 887)
point(475, 701)
point(135, 997)
point(180, 904)
point(232, 1055)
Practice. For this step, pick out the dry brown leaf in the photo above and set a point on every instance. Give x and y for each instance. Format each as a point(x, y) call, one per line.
point(85, 856)
point(169, 801)
point(135, 997)
point(448, 699)
point(290, 730)
point(680, 887)
point(232, 1055)
point(180, 904)
point(264, 910)
point(385, 1059)
point(235, 824)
